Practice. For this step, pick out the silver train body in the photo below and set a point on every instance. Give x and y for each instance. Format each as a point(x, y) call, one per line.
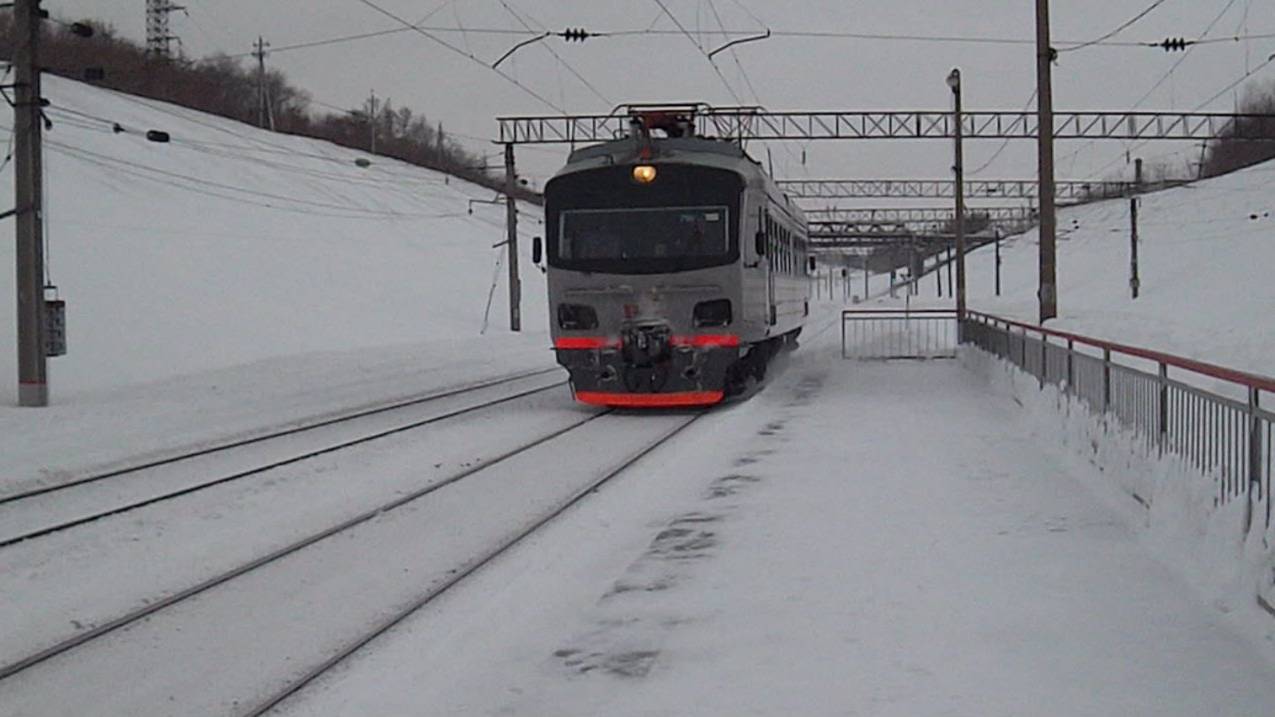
point(676, 271)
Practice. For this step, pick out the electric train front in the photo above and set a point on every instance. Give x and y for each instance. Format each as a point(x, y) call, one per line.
point(644, 285)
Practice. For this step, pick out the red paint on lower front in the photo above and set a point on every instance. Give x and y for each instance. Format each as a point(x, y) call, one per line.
point(650, 400)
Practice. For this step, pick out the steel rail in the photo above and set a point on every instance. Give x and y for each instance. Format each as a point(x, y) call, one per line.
point(360, 413)
point(201, 486)
point(461, 574)
point(149, 609)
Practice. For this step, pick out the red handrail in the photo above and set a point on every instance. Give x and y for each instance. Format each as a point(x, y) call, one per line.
point(945, 312)
point(1251, 380)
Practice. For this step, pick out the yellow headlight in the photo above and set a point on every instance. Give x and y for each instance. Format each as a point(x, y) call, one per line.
point(644, 174)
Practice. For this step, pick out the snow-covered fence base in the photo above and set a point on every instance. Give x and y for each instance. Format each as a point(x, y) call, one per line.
point(1197, 460)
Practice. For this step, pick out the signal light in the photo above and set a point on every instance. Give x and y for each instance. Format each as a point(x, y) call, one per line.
point(644, 173)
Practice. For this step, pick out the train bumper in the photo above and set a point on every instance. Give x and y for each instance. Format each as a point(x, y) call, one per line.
point(651, 400)
point(691, 374)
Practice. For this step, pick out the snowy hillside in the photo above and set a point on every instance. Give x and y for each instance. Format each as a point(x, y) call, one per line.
point(230, 245)
point(1205, 257)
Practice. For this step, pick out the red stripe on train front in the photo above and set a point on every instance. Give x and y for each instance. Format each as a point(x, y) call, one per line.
point(575, 343)
point(650, 400)
point(707, 340)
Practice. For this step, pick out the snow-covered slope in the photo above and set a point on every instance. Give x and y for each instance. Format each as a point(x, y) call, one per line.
point(229, 245)
point(1205, 260)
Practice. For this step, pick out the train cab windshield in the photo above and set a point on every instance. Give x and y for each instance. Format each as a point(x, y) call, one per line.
point(601, 220)
point(643, 234)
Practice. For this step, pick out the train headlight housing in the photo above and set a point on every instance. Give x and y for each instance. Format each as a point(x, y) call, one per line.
point(713, 313)
point(575, 317)
point(644, 173)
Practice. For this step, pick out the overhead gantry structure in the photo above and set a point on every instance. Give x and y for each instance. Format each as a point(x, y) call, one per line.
point(743, 124)
point(988, 189)
point(753, 123)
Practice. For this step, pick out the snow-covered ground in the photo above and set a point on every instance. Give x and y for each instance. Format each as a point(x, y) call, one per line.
point(865, 540)
point(886, 539)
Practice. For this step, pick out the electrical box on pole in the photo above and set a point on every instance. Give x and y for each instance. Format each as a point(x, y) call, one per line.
point(54, 325)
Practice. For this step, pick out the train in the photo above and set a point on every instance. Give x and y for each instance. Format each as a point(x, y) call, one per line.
point(676, 268)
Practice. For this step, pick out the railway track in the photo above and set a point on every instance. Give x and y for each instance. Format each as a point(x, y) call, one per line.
point(46, 510)
point(222, 587)
point(477, 563)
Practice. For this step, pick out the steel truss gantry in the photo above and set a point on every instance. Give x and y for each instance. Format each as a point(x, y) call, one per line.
point(904, 215)
point(747, 123)
point(827, 229)
point(1073, 191)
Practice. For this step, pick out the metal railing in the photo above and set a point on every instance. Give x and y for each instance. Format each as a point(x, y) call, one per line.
point(883, 334)
point(1209, 416)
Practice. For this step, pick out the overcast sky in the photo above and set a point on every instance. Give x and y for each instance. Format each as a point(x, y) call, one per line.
point(781, 73)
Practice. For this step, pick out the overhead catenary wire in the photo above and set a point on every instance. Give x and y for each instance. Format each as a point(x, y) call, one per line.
point(508, 78)
point(744, 73)
point(1119, 29)
point(699, 47)
point(727, 33)
point(999, 150)
point(1203, 39)
point(1174, 68)
point(583, 80)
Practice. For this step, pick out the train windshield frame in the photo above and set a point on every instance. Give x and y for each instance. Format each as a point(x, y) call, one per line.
point(601, 220)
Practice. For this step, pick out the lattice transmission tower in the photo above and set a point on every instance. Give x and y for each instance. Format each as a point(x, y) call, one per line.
point(159, 41)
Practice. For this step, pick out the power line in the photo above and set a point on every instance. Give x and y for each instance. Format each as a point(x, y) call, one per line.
point(810, 34)
point(688, 35)
point(1174, 68)
point(1119, 29)
point(462, 53)
point(1164, 78)
point(556, 56)
point(1203, 40)
point(995, 155)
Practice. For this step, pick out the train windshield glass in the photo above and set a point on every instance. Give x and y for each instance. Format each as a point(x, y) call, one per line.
point(672, 233)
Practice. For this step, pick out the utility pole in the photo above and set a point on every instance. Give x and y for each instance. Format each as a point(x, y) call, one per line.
point(33, 386)
point(263, 104)
point(1048, 291)
point(371, 122)
point(511, 219)
point(954, 81)
point(1134, 283)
